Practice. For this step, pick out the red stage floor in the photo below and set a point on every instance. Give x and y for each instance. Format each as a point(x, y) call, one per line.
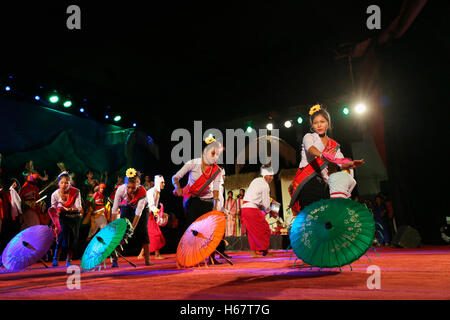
point(405, 274)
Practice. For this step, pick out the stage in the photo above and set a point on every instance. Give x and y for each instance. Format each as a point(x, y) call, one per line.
point(405, 274)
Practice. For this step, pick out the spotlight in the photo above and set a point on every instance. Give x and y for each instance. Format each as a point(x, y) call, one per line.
point(81, 110)
point(107, 117)
point(249, 129)
point(134, 124)
point(67, 104)
point(54, 99)
point(299, 120)
point(117, 118)
point(288, 124)
point(345, 111)
point(7, 88)
point(37, 97)
point(360, 108)
point(269, 126)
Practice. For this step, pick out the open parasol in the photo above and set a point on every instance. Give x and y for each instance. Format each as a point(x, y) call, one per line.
point(105, 243)
point(201, 239)
point(27, 247)
point(332, 233)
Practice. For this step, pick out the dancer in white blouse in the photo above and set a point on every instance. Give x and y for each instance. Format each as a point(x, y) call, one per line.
point(66, 201)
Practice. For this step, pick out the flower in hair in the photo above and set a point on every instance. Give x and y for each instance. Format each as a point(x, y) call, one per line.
point(131, 173)
point(209, 140)
point(314, 109)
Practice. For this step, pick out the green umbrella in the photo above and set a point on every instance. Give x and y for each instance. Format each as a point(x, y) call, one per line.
point(105, 242)
point(332, 233)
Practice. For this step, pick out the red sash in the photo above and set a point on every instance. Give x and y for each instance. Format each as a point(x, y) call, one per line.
point(140, 193)
point(99, 199)
point(305, 174)
point(73, 193)
point(200, 185)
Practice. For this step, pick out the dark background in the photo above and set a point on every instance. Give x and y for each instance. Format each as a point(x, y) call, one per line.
point(164, 65)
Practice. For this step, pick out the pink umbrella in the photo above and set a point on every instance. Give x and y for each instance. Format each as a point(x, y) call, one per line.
point(27, 247)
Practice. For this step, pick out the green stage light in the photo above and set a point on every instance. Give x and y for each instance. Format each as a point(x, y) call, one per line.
point(346, 111)
point(54, 99)
point(299, 120)
point(67, 104)
point(249, 129)
point(117, 118)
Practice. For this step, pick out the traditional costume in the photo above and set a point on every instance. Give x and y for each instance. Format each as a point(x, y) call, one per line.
point(240, 229)
point(256, 203)
point(157, 240)
point(130, 208)
point(341, 184)
point(100, 213)
point(33, 213)
point(69, 220)
point(10, 213)
point(198, 193)
point(311, 180)
point(198, 196)
point(230, 208)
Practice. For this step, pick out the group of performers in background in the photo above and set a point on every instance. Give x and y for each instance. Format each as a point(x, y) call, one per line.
point(318, 177)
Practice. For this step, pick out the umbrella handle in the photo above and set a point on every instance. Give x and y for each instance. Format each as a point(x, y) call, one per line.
point(126, 259)
point(227, 260)
point(43, 262)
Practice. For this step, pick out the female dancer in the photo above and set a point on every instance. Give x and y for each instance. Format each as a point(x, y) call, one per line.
point(132, 198)
point(311, 181)
point(201, 194)
point(66, 201)
point(157, 240)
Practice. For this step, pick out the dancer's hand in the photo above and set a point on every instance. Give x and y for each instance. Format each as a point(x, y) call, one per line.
point(357, 163)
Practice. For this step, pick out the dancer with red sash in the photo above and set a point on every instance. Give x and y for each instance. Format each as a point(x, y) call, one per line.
point(66, 202)
point(157, 240)
point(256, 204)
point(201, 194)
point(100, 214)
point(132, 199)
point(34, 212)
point(311, 181)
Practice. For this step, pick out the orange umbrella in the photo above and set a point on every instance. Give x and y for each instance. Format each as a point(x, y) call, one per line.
point(201, 239)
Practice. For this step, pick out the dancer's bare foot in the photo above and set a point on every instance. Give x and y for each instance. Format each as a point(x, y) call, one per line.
point(141, 255)
point(253, 254)
point(159, 257)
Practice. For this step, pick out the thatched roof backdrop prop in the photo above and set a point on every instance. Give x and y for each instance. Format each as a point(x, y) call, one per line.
point(287, 174)
point(238, 181)
point(285, 150)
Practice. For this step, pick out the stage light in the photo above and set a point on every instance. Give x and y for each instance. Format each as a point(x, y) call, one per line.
point(37, 97)
point(134, 124)
point(360, 108)
point(7, 88)
point(249, 129)
point(299, 120)
point(67, 104)
point(346, 111)
point(54, 99)
point(288, 124)
point(81, 109)
point(269, 126)
point(107, 117)
point(117, 118)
